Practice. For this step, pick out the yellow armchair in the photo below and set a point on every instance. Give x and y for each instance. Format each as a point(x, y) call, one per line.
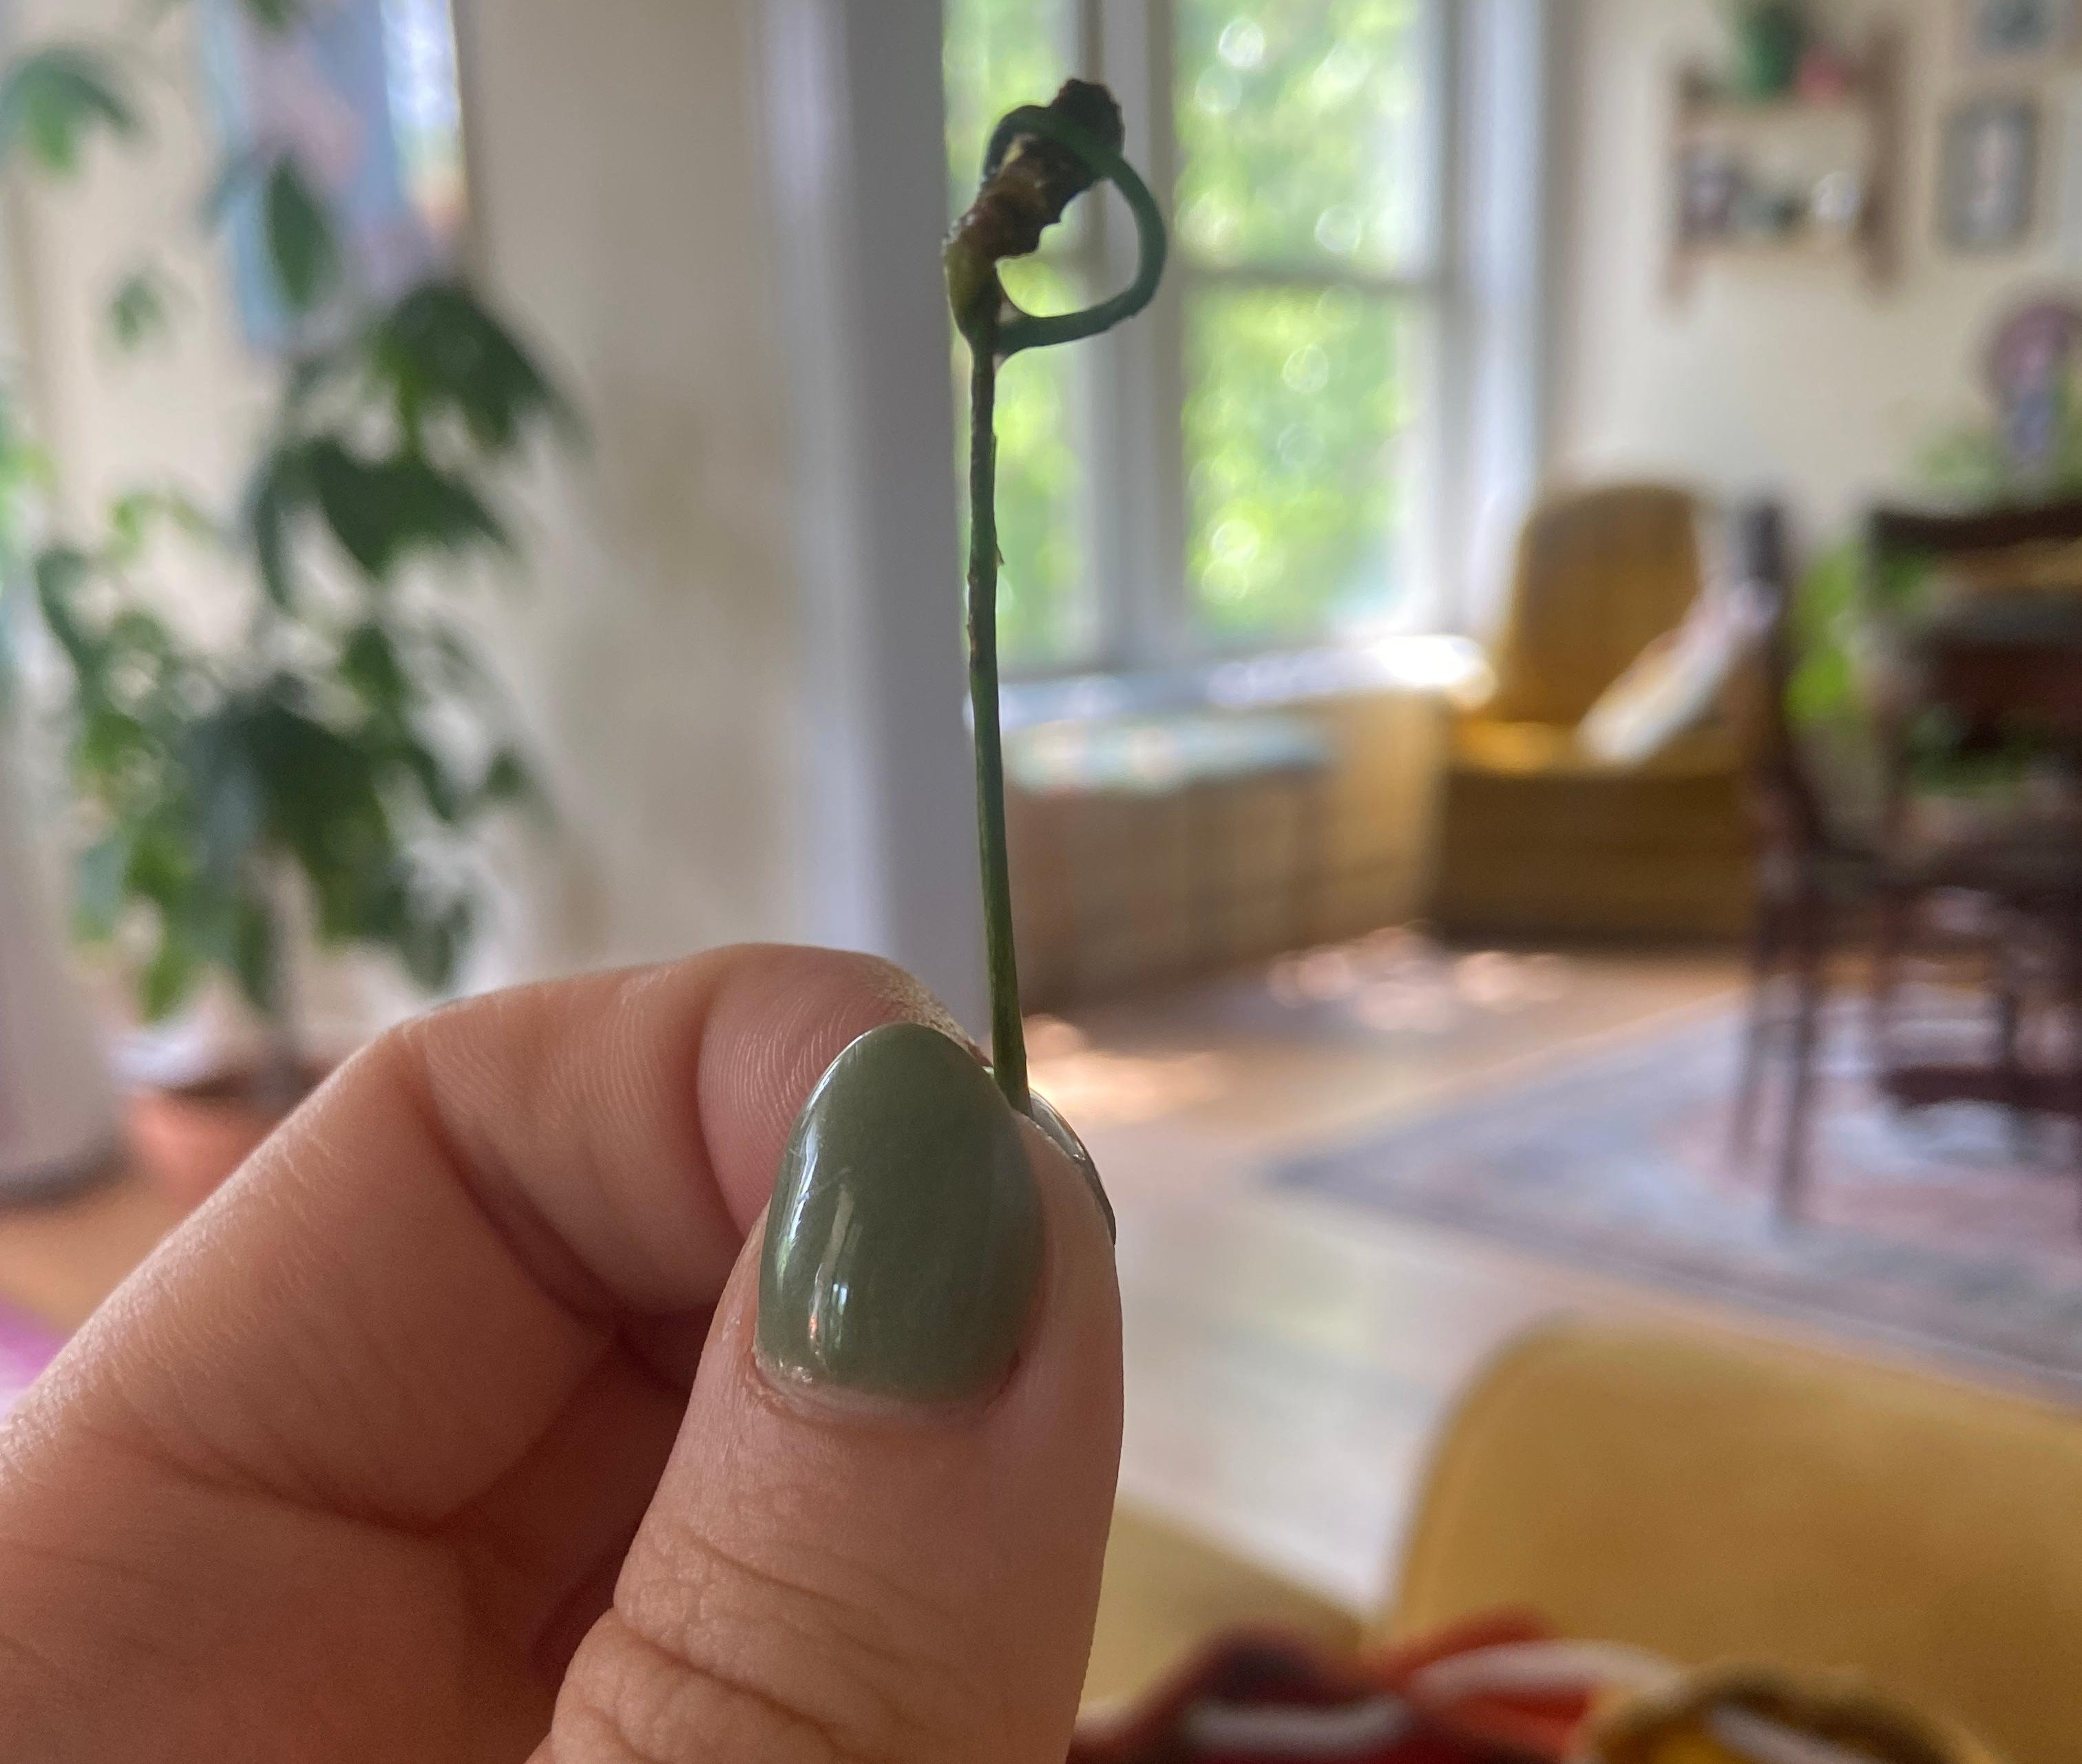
point(1538, 838)
point(1714, 1499)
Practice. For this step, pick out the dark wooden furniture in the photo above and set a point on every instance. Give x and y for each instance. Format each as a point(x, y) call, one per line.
point(1813, 875)
point(2000, 653)
point(1819, 880)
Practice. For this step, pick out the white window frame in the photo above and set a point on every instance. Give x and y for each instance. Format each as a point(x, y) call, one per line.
point(856, 175)
point(1476, 443)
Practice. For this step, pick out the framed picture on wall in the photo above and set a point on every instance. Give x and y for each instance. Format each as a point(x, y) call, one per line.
point(2014, 31)
point(1988, 183)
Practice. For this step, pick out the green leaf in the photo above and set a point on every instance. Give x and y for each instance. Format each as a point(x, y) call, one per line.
point(275, 15)
point(53, 99)
point(100, 880)
point(441, 352)
point(433, 940)
point(383, 510)
point(301, 246)
point(111, 744)
point(459, 667)
point(369, 663)
point(443, 795)
point(169, 978)
point(61, 572)
point(133, 518)
point(136, 634)
point(140, 311)
point(229, 811)
point(129, 527)
point(323, 802)
point(255, 949)
point(508, 780)
point(271, 498)
point(161, 870)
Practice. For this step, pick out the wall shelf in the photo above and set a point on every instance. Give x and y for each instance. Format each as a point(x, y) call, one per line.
point(1708, 120)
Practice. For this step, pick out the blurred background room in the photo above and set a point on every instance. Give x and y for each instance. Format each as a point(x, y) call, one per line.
point(1544, 692)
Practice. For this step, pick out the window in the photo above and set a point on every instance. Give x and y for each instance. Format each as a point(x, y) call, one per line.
point(366, 94)
point(1258, 463)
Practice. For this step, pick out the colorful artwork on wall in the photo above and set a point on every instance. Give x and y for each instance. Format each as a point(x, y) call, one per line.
point(2013, 31)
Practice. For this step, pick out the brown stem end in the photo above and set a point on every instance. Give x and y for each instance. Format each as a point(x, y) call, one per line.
point(1025, 196)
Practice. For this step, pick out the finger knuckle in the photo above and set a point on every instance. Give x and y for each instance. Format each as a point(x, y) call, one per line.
point(720, 1656)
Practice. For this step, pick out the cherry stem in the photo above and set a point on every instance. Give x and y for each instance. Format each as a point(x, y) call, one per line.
point(995, 331)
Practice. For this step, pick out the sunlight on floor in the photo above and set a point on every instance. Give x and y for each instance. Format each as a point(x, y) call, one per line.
point(1094, 1088)
point(1287, 1359)
point(1394, 983)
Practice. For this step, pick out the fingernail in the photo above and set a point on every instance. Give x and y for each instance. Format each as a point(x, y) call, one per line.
point(1065, 1138)
point(903, 1244)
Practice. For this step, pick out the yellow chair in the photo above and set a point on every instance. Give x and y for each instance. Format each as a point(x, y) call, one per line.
point(1536, 838)
point(1714, 1499)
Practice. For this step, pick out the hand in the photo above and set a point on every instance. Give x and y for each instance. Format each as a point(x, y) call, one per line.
point(453, 1427)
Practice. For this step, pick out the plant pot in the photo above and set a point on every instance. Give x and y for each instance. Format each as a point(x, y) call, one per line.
point(189, 1140)
point(1771, 36)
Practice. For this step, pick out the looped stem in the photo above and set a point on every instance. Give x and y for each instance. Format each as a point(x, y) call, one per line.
point(1019, 330)
point(1018, 201)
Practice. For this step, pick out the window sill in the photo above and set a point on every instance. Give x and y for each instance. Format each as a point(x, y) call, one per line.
point(1452, 668)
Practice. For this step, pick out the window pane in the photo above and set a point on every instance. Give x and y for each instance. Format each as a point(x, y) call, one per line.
point(1297, 416)
point(1044, 607)
point(1000, 54)
point(1303, 132)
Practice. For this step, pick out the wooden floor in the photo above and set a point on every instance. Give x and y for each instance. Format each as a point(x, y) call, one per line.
point(1288, 1360)
point(60, 1261)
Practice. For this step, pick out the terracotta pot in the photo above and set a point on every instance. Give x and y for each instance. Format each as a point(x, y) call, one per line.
point(189, 1141)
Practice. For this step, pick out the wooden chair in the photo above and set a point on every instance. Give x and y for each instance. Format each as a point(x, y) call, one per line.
point(1538, 838)
point(1813, 875)
point(1816, 878)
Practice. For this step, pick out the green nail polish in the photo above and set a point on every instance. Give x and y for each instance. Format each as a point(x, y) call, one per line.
point(1065, 1136)
point(903, 1244)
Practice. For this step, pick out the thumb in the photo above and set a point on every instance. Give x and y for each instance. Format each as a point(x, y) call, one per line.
point(880, 1534)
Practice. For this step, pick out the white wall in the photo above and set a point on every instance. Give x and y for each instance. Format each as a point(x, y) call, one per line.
point(1792, 376)
point(886, 808)
point(615, 157)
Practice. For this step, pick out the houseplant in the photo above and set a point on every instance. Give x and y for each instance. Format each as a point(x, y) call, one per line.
point(322, 775)
point(2025, 448)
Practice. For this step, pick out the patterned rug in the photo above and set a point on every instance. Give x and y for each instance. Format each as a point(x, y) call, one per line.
point(1931, 1227)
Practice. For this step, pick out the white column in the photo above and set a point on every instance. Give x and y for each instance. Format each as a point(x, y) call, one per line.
point(58, 1115)
point(1504, 272)
point(857, 152)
